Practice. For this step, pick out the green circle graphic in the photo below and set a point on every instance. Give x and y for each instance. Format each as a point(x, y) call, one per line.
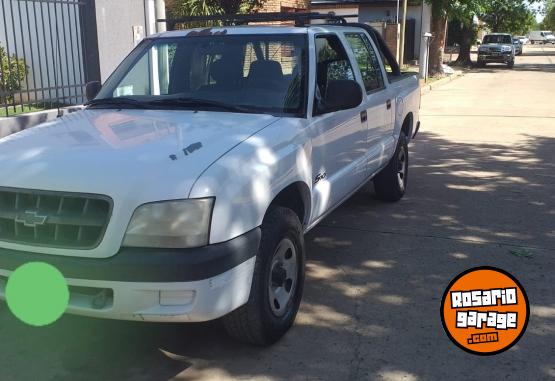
point(37, 293)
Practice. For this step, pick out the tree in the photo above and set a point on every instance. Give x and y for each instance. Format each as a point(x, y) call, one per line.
point(464, 33)
point(510, 16)
point(12, 71)
point(443, 10)
point(548, 22)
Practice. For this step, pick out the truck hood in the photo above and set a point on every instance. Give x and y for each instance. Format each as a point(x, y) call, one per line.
point(134, 154)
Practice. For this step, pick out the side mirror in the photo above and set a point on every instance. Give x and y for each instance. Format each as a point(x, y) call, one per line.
point(92, 89)
point(341, 95)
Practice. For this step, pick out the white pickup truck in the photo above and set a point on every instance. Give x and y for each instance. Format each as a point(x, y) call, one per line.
point(183, 191)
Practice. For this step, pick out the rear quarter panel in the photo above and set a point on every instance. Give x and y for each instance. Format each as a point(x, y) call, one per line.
point(407, 102)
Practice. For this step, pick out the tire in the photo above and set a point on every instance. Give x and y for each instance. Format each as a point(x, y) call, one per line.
point(511, 64)
point(260, 321)
point(481, 64)
point(391, 183)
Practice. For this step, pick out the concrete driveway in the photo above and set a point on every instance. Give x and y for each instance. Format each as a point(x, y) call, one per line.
point(482, 184)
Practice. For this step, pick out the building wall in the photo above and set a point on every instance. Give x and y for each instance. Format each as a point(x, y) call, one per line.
point(369, 13)
point(285, 5)
point(115, 21)
point(340, 10)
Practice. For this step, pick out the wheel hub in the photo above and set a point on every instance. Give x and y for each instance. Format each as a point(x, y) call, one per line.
point(279, 275)
point(283, 277)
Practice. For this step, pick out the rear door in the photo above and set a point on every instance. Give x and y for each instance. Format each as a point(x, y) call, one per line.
point(379, 100)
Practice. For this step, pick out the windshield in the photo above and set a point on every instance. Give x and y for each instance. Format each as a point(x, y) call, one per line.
point(497, 39)
point(244, 73)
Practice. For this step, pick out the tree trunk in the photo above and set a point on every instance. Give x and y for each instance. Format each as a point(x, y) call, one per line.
point(438, 45)
point(464, 56)
point(466, 42)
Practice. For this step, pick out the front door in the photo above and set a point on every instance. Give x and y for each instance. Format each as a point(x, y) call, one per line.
point(339, 139)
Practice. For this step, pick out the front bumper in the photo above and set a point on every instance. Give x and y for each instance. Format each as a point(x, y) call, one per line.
point(499, 58)
point(162, 285)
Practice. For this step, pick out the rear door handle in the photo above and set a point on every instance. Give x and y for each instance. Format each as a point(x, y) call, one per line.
point(388, 104)
point(363, 116)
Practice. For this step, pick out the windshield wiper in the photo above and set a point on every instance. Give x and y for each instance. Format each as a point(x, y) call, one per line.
point(195, 103)
point(118, 102)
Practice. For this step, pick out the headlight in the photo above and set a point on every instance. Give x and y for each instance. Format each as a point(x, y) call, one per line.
point(170, 224)
point(507, 48)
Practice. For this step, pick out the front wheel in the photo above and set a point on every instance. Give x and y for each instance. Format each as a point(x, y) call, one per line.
point(511, 64)
point(390, 184)
point(277, 284)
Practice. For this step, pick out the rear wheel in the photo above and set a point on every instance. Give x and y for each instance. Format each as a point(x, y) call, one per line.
point(277, 284)
point(390, 184)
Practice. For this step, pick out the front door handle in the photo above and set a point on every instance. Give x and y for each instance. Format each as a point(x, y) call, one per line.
point(363, 116)
point(388, 104)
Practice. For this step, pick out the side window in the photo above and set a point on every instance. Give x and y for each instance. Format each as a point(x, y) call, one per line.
point(367, 61)
point(332, 63)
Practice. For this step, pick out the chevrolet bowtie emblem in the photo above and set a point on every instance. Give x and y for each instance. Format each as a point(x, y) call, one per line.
point(31, 219)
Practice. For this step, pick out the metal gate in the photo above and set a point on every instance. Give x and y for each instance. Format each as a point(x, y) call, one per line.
point(42, 54)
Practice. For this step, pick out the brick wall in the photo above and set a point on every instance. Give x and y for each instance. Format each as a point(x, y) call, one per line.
point(390, 37)
point(285, 6)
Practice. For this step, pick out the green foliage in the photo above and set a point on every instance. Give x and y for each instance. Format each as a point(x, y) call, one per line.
point(510, 16)
point(13, 71)
point(180, 8)
point(548, 22)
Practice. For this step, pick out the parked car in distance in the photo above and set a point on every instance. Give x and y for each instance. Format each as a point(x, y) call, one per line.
point(518, 46)
point(523, 39)
point(542, 37)
point(183, 191)
point(497, 48)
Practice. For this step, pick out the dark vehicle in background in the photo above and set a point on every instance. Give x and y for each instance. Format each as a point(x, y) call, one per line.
point(497, 48)
point(518, 46)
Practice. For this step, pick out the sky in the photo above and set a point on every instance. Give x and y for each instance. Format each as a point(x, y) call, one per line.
point(539, 16)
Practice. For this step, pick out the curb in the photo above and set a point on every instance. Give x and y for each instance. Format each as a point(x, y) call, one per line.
point(425, 89)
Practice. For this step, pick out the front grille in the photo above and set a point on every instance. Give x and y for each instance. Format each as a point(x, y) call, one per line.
point(53, 219)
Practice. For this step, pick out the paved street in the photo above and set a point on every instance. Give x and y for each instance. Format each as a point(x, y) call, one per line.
point(482, 188)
